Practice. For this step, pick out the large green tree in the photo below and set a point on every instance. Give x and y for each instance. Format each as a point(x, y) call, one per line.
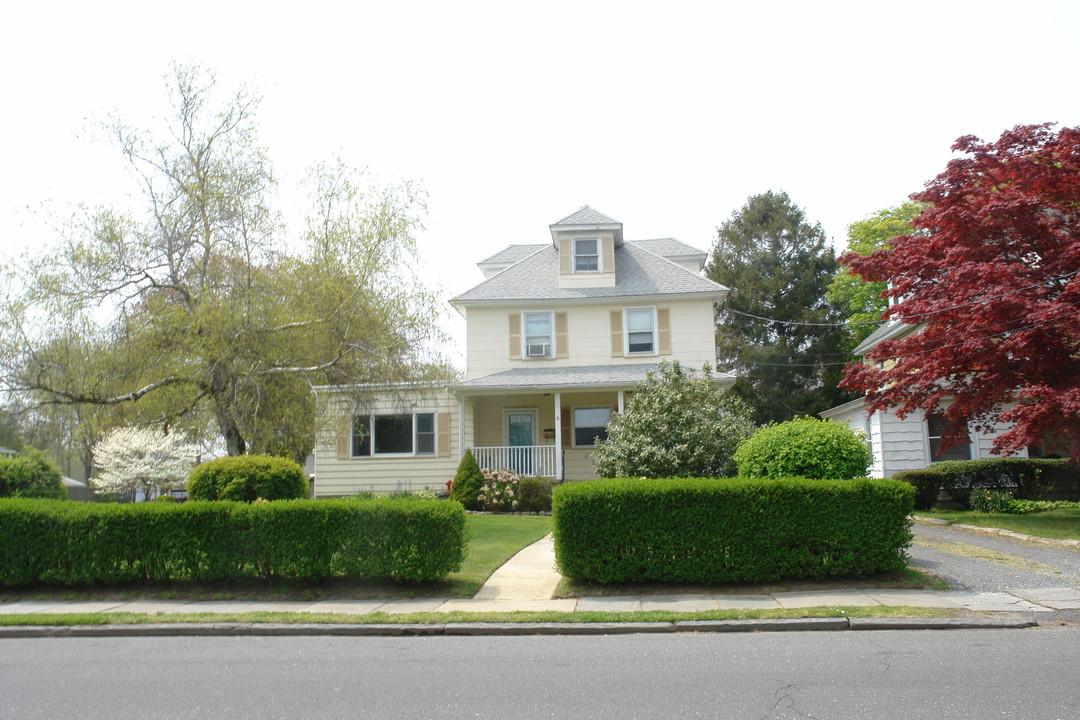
point(862, 302)
point(196, 309)
point(777, 330)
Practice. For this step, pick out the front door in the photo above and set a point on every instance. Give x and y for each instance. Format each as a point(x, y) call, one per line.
point(520, 437)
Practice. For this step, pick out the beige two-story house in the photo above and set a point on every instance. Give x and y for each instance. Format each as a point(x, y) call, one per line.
point(559, 333)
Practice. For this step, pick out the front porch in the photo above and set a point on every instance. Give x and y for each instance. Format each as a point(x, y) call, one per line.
point(549, 435)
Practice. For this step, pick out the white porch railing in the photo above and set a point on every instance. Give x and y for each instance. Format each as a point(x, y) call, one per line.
point(525, 461)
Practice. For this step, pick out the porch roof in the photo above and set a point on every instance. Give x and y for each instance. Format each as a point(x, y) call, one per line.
point(579, 377)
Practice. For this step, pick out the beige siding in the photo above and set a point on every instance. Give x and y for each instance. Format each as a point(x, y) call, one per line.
point(589, 336)
point(578, 464)
point(336, 476)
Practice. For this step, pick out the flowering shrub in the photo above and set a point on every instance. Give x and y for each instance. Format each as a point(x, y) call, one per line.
point(499, 491)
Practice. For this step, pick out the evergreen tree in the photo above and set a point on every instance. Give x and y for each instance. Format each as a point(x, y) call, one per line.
point(778, 267)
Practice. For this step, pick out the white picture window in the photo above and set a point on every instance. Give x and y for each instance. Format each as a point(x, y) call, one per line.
point(641, 331)
point(590, 423)
point(538, 335)
point(393, 434)
point(586, 255)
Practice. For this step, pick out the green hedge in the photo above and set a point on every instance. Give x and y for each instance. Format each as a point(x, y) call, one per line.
point(30, 474)
point(247, 478)
point(927, 484)
point(743, 530)
point(1031, 477)
point(45, 541)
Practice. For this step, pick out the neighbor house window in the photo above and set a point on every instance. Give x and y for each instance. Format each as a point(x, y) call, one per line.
point(537, 334)
point(590, 423)
point(393, 434)
point(935, 430)
point(640, 331)
point(586, 255)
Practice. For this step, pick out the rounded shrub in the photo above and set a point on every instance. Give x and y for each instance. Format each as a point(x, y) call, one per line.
point(467, 482)
point(246, 478)
point(30, 474)
point(804, 447)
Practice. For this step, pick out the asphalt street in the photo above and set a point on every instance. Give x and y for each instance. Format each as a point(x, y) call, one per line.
point(1025, 674)
point(980, 562)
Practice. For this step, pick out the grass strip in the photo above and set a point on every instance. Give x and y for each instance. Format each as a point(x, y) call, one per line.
point(1062, 524)
point(431, 618)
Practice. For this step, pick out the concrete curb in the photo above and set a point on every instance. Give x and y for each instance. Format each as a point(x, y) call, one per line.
point(508, 629)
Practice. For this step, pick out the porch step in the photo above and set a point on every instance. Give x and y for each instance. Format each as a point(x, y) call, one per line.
point(529, 575)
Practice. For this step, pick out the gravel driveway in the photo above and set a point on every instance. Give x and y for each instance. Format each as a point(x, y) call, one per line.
point(981, 562)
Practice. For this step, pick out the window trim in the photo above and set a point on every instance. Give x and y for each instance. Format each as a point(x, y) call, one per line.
point(574, 255)
point(626, 332)
point(370, 417)
point(574, 426)
point(934, 457)
point(525, 335)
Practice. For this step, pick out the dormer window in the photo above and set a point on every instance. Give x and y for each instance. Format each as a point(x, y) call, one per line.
point(586, 255)
point(537, 336)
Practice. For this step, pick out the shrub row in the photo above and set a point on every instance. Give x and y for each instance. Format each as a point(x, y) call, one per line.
point(1029, 478)
point(44, 541)
point(742, 530)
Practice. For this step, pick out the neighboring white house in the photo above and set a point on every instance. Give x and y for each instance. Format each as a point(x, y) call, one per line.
point(558, 334)
point(910, 443)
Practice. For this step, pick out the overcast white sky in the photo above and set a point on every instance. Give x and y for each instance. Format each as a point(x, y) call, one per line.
point(513, 115)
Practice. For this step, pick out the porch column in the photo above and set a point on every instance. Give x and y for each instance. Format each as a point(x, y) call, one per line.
point(558, 437)
point(622, 396)
point(461, 428)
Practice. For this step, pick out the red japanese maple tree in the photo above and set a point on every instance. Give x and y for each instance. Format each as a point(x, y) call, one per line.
point(993, 290)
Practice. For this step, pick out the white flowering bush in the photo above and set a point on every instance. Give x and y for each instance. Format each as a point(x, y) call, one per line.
point(146, 459)
point(499, 491)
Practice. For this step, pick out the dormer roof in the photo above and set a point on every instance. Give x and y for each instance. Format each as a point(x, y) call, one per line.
point(587, 219)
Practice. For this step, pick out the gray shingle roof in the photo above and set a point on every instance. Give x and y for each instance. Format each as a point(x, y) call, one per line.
point(586, 215)
point(637, 272)
point(512, 254)
point(668, 247)
point(563, 377)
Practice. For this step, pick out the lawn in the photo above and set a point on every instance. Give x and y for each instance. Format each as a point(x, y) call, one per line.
point(493, 539)
point(1062, 523)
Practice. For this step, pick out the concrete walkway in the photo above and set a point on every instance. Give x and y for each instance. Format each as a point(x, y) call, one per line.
point(528, 580)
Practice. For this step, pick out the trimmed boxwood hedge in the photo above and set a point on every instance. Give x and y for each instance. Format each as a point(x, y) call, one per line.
point(247, 478)
point(1030, 477)
point(927, 484)
point(46, 541)
point(742, 530)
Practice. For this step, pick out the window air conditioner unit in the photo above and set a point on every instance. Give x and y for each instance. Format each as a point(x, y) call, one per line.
point(538, 349)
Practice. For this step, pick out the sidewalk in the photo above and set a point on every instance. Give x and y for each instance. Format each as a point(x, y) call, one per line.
point(528, 580)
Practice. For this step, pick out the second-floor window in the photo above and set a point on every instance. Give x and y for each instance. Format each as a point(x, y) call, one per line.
point(586, 255)
point(640, 331)
point(537, 335)
point(393, 434)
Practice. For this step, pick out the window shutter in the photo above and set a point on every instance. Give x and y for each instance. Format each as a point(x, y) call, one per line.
point(564, 256)
point(515, 336)
point(443, 420)
point(344, 438)
point(663, 331)
point(562, 342)
point(607, 263)
point(567, 440)
point(616, 334)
